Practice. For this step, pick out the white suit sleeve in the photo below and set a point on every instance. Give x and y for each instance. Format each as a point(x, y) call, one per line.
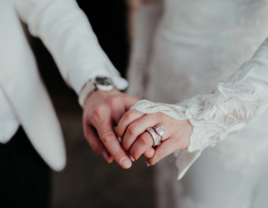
point(66, 32)
point(234, 103)
point(145, 24)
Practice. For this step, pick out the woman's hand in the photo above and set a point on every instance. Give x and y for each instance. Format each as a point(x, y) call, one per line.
point(132, 129)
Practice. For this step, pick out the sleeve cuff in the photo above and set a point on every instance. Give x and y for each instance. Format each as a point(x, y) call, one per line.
point(78, 78)
point(184, 160)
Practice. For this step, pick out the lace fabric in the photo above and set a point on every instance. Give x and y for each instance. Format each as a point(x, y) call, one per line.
point(229, 108)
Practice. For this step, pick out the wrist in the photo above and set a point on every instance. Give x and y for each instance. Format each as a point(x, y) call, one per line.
point(100, 96)
point(97, 84)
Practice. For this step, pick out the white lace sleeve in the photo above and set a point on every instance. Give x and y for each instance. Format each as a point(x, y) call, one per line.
point(229, 108)
point(144, 27)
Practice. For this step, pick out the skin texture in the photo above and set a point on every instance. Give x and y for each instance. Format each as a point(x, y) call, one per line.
point(132, 128)
point(102, 111)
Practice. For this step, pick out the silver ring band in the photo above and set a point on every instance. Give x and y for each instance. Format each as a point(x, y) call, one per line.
point(154, 136)
point(160, 131)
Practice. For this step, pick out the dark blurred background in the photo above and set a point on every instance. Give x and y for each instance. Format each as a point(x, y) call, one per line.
point(87, 180)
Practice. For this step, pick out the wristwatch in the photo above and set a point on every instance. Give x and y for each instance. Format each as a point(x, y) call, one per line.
point(98, 83)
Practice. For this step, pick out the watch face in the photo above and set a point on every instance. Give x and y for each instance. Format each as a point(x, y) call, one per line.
point(105, 81)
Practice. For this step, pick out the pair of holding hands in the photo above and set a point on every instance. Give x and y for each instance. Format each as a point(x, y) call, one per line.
point(104, 110)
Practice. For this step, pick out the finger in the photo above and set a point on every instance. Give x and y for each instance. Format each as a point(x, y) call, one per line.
point(117, 114)
point(129, 102)
point(96, 144)
point(166, 148)
point(127, 119)
point(102, 122)
point(144, 142)
point(117, 108)
point(137, 127)
point(149, 152)
point(110, 141)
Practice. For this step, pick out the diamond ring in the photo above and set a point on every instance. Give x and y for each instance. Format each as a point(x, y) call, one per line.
point(160, 131)
point(154, 136)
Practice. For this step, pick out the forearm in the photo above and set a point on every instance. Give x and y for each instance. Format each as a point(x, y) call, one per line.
point(238, 100)
point(235, 102)
point(231, 106)
point(67, 34)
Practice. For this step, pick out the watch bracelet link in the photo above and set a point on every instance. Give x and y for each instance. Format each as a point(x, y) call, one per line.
point(86, 91)
point(93, 85)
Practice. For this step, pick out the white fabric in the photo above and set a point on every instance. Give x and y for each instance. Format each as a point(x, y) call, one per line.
point(8, 121)
point(235, 103)
point(65, 31)
point(141, 47)
point(196, 45)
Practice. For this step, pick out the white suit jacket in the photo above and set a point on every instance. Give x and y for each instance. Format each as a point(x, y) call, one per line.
point(66, 32)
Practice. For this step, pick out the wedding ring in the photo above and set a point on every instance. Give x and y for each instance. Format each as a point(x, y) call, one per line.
point(154, 136)
point(160, 131)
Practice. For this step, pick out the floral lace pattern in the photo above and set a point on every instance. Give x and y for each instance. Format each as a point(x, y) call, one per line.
point(214, 116)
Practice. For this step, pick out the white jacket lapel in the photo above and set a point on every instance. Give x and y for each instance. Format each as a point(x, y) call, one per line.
point(23, 88)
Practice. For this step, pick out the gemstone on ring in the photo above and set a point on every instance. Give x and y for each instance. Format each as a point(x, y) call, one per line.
point(154, 136)
point(160, 131)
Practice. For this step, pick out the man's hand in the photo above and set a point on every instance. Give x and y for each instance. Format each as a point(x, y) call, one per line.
point(102, 111)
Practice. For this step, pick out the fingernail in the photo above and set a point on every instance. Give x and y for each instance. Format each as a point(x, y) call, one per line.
point(119, 139)
point(147, 164)
point(132, 159)
point(126, 162)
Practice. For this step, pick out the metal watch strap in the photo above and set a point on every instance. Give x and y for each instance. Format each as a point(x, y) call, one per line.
point(86, 91)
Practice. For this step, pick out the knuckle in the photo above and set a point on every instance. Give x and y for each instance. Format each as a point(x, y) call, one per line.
point(108, 137)
point(177, 139)
point(159, 115)
point(146, 139)
point(132, 129)
point(97, 113)
point(129, 115)
point(113, 102)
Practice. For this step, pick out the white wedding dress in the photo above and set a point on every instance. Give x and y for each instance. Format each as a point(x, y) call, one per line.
point(210, 57)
